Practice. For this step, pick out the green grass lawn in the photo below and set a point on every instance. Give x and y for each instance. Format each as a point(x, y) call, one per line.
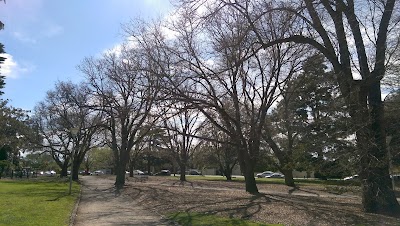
point(36, 202)
point(199, 219)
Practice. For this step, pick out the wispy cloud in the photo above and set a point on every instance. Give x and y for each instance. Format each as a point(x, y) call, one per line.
point(12, 69)
point(52, 30)
point(47, 31)
point(23, 37)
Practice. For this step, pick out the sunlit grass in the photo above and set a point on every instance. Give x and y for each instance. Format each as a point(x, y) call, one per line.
point(199, 219)
point(36, 202)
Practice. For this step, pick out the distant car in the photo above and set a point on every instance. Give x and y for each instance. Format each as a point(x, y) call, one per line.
point(194, 172)
point(98, 172)
point(264, 174)
point(163, 173)
point(354, 177)
point(275, 175)
point(138, 172)
point(50, 173)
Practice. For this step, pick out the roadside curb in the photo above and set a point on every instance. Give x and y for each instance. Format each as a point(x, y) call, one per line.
point(75, 210)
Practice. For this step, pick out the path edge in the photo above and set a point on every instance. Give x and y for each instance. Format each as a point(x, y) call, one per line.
point(74, 212)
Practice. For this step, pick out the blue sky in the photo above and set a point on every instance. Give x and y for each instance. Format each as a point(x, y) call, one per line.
point(46, 39)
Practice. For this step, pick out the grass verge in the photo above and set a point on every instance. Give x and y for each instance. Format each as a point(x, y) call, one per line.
point(200, 219)
point(36, 202)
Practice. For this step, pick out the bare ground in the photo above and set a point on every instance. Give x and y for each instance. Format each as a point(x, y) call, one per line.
point(276, 204)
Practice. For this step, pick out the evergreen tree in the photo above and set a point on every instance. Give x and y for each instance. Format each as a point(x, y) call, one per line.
point(312, 122)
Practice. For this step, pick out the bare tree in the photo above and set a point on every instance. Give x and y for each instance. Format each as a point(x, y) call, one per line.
point(220, 149)
point(181, 128)
point(67, 126)
point(214, 67)
point(125, 93)
point(358, 38)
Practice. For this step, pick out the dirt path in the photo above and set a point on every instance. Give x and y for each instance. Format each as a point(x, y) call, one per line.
point(102, 204)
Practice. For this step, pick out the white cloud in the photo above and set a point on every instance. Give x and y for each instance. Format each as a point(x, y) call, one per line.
point(12, 69)
point(23, 37)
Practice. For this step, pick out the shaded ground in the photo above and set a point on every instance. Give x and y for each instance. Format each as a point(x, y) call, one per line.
point(102, 204)
point(306, 205)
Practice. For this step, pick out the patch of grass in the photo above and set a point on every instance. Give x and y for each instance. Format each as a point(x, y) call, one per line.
point(36, 202)
point(213, 178)
point(276, 180)
point(200, 219)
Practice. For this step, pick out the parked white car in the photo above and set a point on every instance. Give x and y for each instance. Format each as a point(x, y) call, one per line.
point(275, 175)
point(264, 174)
point(354, 177)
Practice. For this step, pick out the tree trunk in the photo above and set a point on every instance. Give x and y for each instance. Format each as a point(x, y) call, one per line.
point(182, 176)
point(64, 169)
point(131, 168)
point(228, 174)
point(228, 171)
point(64, 172)
point(120, 176)
point(247, 167)
point(289, 181)
point(250, 180)
point(75, 169)
point(377, 193)
point(120, 168)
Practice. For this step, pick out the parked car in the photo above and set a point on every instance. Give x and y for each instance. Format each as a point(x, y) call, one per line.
point(138, 172)
point(264, 174)
point(163, 173)
point(354, 177)
point(98, 172)
point(194, 172)
point(50, 173)
point(275, 175)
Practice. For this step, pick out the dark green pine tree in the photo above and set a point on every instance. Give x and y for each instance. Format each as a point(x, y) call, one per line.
point(314, 119)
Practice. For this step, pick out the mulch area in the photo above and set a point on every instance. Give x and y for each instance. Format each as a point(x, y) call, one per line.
point(276, 204)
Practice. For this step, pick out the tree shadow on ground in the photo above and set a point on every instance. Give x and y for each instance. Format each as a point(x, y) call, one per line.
point(238, 204)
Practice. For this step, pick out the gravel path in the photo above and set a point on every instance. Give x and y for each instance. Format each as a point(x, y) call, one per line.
point(102, 204)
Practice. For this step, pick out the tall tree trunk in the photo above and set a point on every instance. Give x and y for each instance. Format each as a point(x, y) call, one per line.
point(182, 176)
point(64, 169)
point(377, 193)
point(131, 166)
point(284, 159)
point(250, 180)
point(120, 176)
point(75, 169)
point(120, 168)
point(228, 174)
point(247, 167)
point(228, 170)
point(289, 181)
